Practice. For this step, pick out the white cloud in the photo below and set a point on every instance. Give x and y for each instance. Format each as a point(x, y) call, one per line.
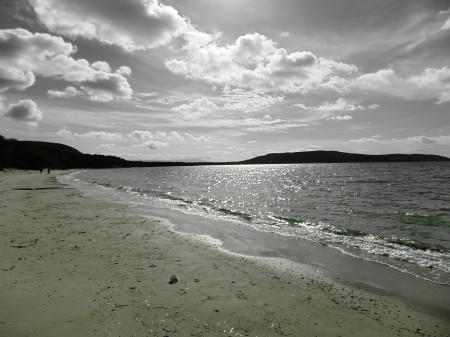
point(124, 71)
point(340, 118)
point(339, 105)
point(101, 135)
point(155, 145)
point(236, 148)
point(67, 134)
point(274, 127)
point(405, 142)
point(247, 101)
point(172, 136)
point(267, 124)
point(446, 25)
point(432, 83)
point(141, 135)
point(196, 109)
point(24, 111)
point(254, 62)
point(179, 67)
point(101, 66)
point(327, 109)
point(231, 99)
point(198, 139)
point(251, 49)
point(175, 136)
point(25, 56)
point(68, 92)
point(132, 25)
point(105, 87)
point(13, 78)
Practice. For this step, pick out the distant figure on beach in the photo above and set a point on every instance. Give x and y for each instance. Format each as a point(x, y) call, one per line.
point(41, 170)
point(48, 171)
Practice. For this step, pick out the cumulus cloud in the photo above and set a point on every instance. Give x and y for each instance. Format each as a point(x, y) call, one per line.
point(339, 105)
point(66, 93)
point(124, 70)
point(432, 83)
point(175, 136)
point(24, 111)
point(141, 135)
point(104, 87)
point(132, 25)
point(99, 86)
point(254, 62)
point(196, 109)
point(340, 118)
point(22, 55)
point(251, 49)
point(374, 139)
point(67, 134)
point(26, 55)
point(155, 145)
point(161, 136)
point(147, 135)
point(11, 78)
point(102, 66)
point(198, 139)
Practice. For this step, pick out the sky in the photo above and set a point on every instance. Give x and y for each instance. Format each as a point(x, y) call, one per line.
point(220, 80)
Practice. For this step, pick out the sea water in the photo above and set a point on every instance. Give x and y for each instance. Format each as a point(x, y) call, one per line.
point(394, 214)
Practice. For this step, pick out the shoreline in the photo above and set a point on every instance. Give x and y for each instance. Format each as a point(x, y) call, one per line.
point(330, 262)
point(77, 266)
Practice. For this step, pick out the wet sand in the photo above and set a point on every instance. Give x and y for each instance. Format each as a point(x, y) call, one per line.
point(76, 266)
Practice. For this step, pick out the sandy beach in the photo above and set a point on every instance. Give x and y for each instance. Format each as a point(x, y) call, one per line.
point(75, 266)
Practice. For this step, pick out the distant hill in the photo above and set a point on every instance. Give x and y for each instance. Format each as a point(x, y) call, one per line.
point(30, 155)
point(338, 157)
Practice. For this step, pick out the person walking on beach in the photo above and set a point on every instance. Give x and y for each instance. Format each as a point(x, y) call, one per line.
point(48, 170)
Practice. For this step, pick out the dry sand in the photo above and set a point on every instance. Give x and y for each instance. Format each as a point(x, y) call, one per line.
point(75, 266)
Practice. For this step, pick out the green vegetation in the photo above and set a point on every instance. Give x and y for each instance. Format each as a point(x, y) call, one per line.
point(419, 245)
point(350, 232)
point(423, 220)
point(290, 221)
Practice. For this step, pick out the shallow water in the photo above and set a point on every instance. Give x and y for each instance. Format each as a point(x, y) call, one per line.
point(396, 214)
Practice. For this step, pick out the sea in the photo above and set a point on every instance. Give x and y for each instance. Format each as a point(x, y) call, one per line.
point(347, 220)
